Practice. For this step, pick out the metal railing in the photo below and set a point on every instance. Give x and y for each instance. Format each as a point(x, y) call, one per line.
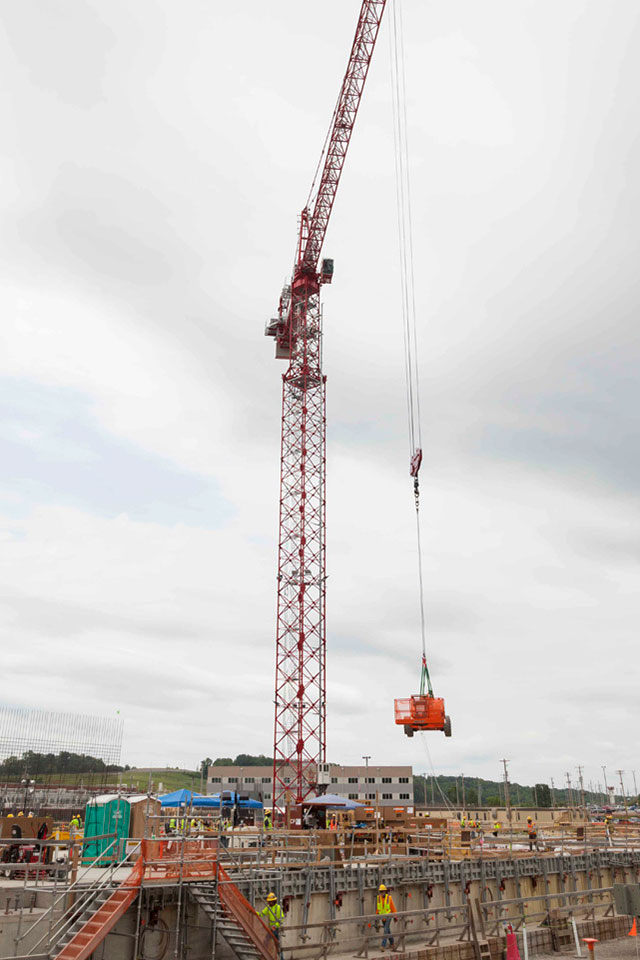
point(436, 925)
point(79, 898)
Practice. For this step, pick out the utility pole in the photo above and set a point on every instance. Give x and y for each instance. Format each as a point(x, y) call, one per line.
point(507, 798)
point(569, 791)
point(433, 790)
point(479, 791)
point(553, 794)
point(624, 796)
point(606, 785)
point(464, 803)
point(584, 808)
point(635, 787)
point(457, 793)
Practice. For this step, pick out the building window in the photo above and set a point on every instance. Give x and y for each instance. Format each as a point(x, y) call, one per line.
point(216, 779)
point(334, 779)
point(387, 780)
point(267, 796)
point(371, 779)
point(287, 779)
point(404, 796)
point(387, 796)
point(353, 780)
point(403, 779)
point(232, 780)
point(371, 796)
point(249, 780)
point(353, 796)
point(266, 779)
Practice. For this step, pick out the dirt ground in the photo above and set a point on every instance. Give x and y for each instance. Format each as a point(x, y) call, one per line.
point(623, 949)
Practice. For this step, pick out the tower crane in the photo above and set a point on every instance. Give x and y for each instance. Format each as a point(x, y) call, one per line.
point(300, 689)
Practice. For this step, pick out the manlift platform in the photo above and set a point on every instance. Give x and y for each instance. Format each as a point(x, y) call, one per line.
point(422, 712)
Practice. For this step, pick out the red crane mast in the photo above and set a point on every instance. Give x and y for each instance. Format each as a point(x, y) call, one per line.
point(300, 688)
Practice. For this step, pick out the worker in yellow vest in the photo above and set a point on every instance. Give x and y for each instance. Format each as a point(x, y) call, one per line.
point(385, 908)
point(273, 915)
point(74, 827)
point(496, 828)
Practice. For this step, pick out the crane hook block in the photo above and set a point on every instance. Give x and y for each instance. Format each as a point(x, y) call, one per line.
point(422, 713)
point(416, 461)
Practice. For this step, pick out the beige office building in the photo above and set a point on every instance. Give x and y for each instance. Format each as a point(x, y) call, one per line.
point(366, 784)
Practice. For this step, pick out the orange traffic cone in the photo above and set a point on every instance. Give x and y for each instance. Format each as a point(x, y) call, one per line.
point(634, 929)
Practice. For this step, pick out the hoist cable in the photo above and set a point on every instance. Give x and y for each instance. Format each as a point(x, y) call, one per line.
point(447, 802)
point(407, 281)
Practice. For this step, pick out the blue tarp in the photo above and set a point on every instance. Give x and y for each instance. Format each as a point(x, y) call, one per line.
point(182, 798)
point(229, 800)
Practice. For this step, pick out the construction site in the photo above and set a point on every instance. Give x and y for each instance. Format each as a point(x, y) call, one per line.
point(459, 892)
point(323, 861)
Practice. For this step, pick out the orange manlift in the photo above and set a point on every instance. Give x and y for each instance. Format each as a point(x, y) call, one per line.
point(422, 711)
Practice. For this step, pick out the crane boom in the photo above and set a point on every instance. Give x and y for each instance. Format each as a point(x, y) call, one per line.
point(342, 125)
point(300, 682)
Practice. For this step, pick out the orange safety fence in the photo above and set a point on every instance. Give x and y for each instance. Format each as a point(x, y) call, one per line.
point(174, 859)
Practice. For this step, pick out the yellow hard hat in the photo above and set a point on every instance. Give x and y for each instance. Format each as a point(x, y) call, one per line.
point(271, 896)
point(382, 888)
point(529, 818)
point(21, 814)
point(9, 815)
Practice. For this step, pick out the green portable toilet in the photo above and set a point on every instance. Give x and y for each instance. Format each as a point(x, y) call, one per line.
point(108, 814)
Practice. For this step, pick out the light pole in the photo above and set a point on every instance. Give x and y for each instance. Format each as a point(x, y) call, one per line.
point(366, 774)
point(635, 788)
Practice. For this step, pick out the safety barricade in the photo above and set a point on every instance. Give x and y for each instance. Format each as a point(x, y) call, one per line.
point(177, 858)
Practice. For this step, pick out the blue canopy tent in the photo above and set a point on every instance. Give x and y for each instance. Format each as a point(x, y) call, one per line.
point(184, 798)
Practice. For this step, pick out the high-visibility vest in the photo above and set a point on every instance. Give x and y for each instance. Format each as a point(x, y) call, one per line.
point(384, 903)
point(496, 825)
point(172, 823)
point(531, 827)
point(273, 915)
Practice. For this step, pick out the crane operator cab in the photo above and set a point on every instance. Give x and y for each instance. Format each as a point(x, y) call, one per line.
point(422, 712)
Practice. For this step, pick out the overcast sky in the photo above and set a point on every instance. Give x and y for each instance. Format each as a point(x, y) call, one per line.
point(154, 157)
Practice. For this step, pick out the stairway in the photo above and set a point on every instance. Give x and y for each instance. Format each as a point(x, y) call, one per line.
point(226, 926)
point(99, 916)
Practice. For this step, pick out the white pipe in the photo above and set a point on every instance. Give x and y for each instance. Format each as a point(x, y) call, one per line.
point(576, 937)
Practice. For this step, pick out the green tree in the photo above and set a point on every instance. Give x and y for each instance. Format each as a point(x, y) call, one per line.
point(543, 794)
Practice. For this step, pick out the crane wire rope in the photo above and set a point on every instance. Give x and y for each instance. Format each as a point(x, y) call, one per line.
point(408, 289)
point(434, 775)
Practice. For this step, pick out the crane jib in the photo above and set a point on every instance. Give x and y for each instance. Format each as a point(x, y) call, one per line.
point(342, 127)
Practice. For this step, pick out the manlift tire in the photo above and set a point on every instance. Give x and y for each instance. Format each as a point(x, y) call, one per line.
point(447, 726)
point(408, 729)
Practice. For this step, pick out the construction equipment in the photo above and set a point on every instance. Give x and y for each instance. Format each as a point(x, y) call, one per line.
point(300, 688)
